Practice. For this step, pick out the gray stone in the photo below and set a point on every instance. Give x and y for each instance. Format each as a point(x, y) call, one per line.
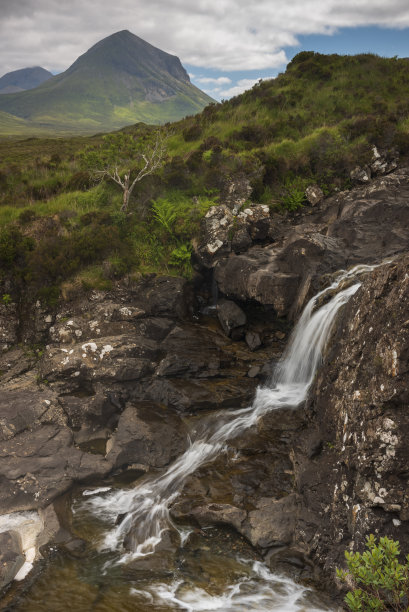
point(230, 316)
point(147, 434)
point(253, 340)
point(360, 175)
point(314, 194)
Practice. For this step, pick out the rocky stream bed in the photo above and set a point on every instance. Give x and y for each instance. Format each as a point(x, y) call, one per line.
point(123, 378)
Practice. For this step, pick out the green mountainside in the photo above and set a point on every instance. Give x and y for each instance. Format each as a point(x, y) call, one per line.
point(119, 81)
point(313, 124)
point(23, 79)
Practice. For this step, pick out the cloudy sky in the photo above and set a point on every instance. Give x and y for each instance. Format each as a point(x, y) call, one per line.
point(226, 45)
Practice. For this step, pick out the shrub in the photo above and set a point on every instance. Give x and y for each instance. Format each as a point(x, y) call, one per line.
point(379, 581)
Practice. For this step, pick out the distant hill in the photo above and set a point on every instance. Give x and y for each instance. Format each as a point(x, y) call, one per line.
point(21, 80)
point(119, 81)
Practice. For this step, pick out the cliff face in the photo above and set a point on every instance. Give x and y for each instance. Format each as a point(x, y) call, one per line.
point(352, 464)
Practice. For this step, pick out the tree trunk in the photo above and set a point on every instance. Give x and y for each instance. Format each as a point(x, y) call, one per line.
point(125, 200)
point(127, 193)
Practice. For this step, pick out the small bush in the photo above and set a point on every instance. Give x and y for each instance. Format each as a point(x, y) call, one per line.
point(379, 581)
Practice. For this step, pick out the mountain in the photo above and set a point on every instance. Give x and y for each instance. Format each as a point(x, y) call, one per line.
point(21, 80)
point(120, 80)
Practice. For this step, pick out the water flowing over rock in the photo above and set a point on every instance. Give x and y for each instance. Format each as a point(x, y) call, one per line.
point(127, 378)
point(352, 464)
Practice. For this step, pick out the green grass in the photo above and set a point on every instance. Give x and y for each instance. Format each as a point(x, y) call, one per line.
point(312, 124)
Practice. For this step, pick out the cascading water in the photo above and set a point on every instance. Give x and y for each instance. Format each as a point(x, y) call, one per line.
point(144, 511)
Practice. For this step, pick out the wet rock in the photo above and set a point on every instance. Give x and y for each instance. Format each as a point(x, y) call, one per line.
point(314, 195)
point(191, 396)
point(148, 434)
point(219, 514)
point(272, 522)
point(351, 465)
point(11, 557)
point(254, 371)
point(230, 316)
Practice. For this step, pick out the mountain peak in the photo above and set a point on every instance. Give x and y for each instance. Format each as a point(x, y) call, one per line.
point(25, 78)
point(128, 52)
point(118, 81)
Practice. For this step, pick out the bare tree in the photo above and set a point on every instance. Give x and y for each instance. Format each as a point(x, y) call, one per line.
point(126, 159)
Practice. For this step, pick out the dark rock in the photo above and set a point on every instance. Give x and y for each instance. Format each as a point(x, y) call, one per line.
point(254, 371)
point(253, 340)
point(272, 522)
point(364, 225)
point(230, 316)
point(351, 463)
point(8, 326)
point(241, 240)
point(216, 235)
point(383, 162)
point(148, 434)
point(190, 395)
point(11, 557)
point(38, 465)
point(223, 231)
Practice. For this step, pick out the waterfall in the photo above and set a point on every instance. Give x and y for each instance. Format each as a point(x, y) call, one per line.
point(145, 509)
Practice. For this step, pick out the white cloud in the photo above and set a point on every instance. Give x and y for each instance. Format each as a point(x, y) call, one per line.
point(242, 85)
point(223, 34)
point(223, 80)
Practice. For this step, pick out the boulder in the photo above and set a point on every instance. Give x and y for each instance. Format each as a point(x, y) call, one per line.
point(314, 195)
point(11, 557)
point(360, 175)
point(253, 340)
point(224, 230)
point(383, 162)
point(230, 316)
point(147, 434)
point(272, 522)
point(235, 193)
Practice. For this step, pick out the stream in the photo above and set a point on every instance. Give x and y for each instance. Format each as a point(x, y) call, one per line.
point(138, 559)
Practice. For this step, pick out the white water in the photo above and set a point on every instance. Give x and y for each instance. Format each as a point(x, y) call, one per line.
point(262, 591)
point(146, 508)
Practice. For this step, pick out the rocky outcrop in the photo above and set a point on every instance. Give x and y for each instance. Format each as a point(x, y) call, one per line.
point(224, 232)
point(382, 162)
point(352, 463)
point(105, 392)
point(364, 225)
